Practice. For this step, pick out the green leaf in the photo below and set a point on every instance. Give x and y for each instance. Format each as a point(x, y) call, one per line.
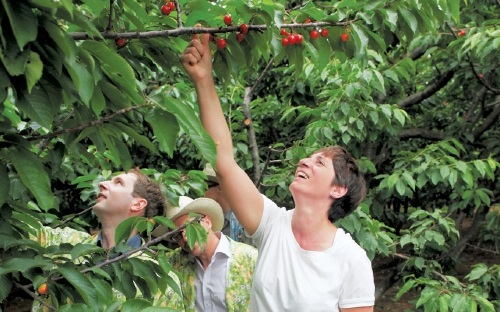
point(36, 106)
point(33, 175)
point(420, 263)
point(410, 19)
point(133, 305)
point(84, 249)
point(81, 283)
point(23, 264)
point(82, 79)
point(104, 290)
point(190, 123)
point(62, 39)
point(5, 182)
point(165, 128)
point(477, 272)
point(34, 69)
point(116, 68)
point(23, 21)
point(407, 286)
point(5, 286)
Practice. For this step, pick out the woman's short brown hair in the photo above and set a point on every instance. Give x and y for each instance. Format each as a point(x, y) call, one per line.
point(346, 174)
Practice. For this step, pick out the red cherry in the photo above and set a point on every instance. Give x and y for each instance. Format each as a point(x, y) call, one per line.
point(285, 42)
point(324, 32)
point(120, 42)
point(43, 288)
point(307, 21)
point(244, 28)
point(171, 5)
point(314, 34)
point(481, 76)
point(344, 37)
point(221, 43)
point(461, 33)
point(240, 37)
point(228, 20)
point(165, 9)
point(298, 38)
point(283, 32)
point(292, 39)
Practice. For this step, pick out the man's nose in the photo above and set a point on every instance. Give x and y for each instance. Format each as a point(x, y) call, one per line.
point(103, 185)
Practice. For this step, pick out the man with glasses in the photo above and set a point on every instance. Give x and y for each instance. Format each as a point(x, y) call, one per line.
point(215, 275)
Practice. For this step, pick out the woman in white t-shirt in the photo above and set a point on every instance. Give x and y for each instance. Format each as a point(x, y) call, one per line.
point(305, 262)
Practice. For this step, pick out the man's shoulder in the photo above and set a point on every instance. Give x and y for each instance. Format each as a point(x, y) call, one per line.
point(54, 236)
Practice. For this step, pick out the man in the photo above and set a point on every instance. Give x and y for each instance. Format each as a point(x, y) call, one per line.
point(232, 227)
point(216, 275)
point(126, 195)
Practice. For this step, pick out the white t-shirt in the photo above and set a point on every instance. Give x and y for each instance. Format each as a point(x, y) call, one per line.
point(289, 278)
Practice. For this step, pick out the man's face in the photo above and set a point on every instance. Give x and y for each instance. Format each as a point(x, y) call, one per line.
point(197, 251)
point(115, 196)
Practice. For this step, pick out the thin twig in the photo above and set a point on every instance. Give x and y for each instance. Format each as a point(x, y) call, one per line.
point(85, 125)
point(26, 289)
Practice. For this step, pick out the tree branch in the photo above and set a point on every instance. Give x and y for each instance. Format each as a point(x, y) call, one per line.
point(489, 120)
point(196, 30)
point(26, 289)
point(427, 92)
point(85, 125)
point(422, 134)
point(254, 148)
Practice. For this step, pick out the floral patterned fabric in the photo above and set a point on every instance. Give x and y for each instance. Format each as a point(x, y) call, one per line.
point(238, 284)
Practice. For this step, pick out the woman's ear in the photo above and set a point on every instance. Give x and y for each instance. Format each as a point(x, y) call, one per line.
point(338, 191)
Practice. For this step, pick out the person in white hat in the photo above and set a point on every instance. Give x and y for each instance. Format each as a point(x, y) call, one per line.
point(232, 226)
point(216, 275)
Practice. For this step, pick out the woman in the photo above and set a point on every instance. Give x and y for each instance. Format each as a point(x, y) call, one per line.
point(305, 263)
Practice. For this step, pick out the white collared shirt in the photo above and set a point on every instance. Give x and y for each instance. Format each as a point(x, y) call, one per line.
point(210, 284)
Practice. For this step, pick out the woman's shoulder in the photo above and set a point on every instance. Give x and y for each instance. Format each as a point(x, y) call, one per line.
point(344, 241)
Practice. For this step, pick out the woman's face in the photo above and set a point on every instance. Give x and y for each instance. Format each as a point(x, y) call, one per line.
point(314, 176)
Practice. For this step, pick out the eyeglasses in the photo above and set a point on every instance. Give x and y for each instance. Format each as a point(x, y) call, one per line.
point(177, 236)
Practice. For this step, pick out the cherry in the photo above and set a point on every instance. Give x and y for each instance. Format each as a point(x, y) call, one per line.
point(324, 32)
point(171, 5)
point(221, 43)
point(244, 29)
point(285, 42)
point(43, 289)
point(292, 39)
point(298, 39)
point(165, 9)
point(344, 37)
point(480, 76)
point(283, 32)
point(240, 37)
point(228, 20)
point(120, 42)
point(307, 21)
point(314, 34)
point(461, 33)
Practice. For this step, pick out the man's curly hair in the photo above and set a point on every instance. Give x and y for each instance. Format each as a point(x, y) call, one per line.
point(148, 189)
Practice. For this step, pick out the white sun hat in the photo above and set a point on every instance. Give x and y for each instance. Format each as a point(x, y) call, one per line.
point(202, 205)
